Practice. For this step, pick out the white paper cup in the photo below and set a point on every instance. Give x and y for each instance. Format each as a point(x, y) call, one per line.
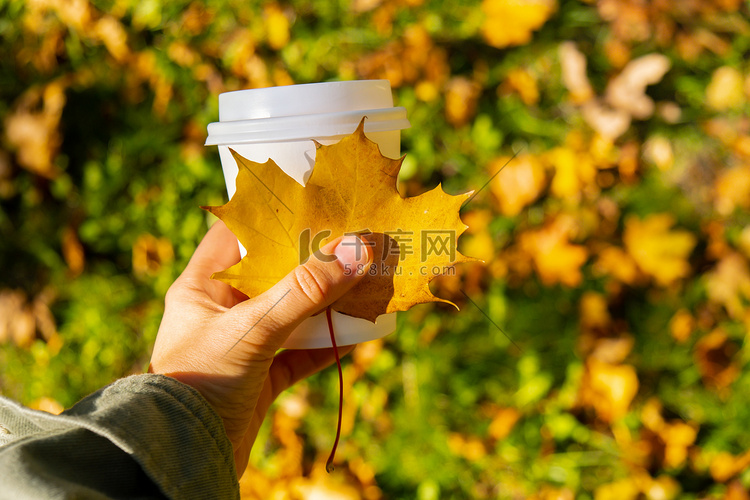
point(280, 123)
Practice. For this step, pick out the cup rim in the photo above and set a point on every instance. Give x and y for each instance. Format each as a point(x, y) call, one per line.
point(304, 99)
point(305, 127)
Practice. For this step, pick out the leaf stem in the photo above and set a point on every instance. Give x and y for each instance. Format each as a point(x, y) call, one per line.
point(329, 462)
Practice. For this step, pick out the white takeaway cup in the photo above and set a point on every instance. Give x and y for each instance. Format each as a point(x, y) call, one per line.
point(280, 123)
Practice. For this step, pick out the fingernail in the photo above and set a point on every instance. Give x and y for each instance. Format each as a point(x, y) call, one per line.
point(352, 252)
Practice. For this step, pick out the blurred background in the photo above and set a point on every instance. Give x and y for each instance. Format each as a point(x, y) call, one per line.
point(601, 350)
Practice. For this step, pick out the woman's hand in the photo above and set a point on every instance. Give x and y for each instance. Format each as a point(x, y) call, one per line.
point(215, 340)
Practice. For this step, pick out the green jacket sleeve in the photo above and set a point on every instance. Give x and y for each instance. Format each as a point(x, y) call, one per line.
point(144, 436)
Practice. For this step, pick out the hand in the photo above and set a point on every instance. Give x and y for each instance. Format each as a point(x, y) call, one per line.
point(215, 340)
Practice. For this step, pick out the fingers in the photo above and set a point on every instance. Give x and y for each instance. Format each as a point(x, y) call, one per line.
point(289, 367)
point(306, 290)
point(217, 251)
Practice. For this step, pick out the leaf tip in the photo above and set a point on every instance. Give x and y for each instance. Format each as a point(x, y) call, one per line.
point(361, 126)
point(445, 301)
point(465, 258)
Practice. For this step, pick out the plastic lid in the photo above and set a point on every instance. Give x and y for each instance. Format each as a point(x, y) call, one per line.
point(289, 128)
point(313, 110)
point(304, 99)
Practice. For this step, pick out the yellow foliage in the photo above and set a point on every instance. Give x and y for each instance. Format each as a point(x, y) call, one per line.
point(658, 150)
point(182, 54)
point(556, 260)
point(573, 66)
point(715, 357)
point(612, 350)
point(625, 96)
point(732, 190)
point(615, 262)
point(519, 184)
point(277, 26)
point(33, 132)
point(413, 59)
point(237, 49)
point(573, 173)
point(480, 245)
point(150, 254)
point(659, 252)
point(617, 51)
point(737, 491)
point(624, 489)
point(469, 447)
point(547, 492)
point(608, 388)
point(681, 325)
point(676, 436)
point(511, 22)
point(640, 485)
point(503, 422)
point(724, 465)
point(195, 19)
point(47, 404)
point(593, 311)
point(729, 284)
point(21, 319)
point(521, 81)
point(726, 89)
point(365, 5)
point(427, 91)
point(627, 91)
point(318, 485)
point(461, 100)
point(744, 241)
point(72, 250)
point(17, 323)
point(662, 488)
point(113, 35)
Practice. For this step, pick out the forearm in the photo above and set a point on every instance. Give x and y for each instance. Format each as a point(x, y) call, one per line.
point(147, 436)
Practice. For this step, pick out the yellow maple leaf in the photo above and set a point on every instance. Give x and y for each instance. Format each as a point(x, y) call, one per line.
point(352, 189)
point(523, 82)
point(520, 183)
point(608, 388)
point(511, 22)
point(503, 422)
point(725, 465)
point(623, 489)
point(573, 173)
point(659, 252)
point(478, 241)
point(47, 404)
point(681, 325)
point(277, 26)
point(615, 262)
point(674, 436)
point(469, 447)
point(732, 190)
point(725, 91)
point(729, 284)
point(555, 258)
point(461, 98)
point(715, 358)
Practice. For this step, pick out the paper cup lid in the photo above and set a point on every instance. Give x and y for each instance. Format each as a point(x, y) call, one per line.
point(290, 128)
point(314, 110)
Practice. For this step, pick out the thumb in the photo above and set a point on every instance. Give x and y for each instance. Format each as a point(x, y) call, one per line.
point(309, 288)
